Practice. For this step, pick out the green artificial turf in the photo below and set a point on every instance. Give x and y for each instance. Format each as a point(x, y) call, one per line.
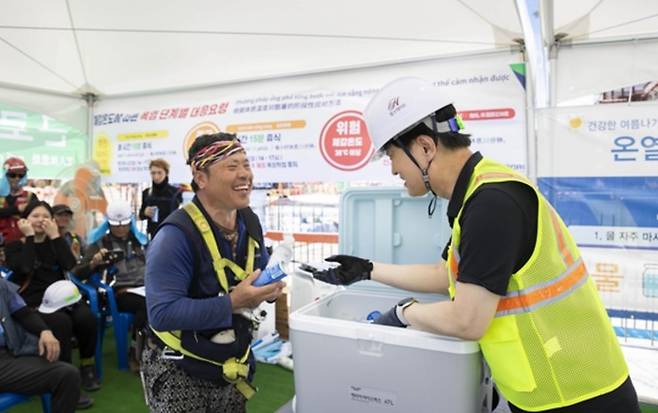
point(122, 390)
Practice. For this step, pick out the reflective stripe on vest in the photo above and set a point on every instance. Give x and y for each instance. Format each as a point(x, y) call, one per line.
point(551, 324)
point(234, 370)
point(539, 295)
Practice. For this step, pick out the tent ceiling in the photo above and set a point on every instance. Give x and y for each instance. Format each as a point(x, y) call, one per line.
point(605, 20)
point(127, 47)
point(124, 47)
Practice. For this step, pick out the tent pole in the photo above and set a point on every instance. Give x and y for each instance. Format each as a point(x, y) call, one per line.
point(90, 99)
point(531, 132)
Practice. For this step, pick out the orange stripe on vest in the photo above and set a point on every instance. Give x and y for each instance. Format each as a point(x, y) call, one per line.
point(546, 293)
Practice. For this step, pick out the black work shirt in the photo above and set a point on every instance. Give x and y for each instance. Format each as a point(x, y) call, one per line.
point(37, 265)
point(498, 229)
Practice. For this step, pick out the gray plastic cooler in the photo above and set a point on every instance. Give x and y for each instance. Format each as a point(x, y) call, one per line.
point(342, 363)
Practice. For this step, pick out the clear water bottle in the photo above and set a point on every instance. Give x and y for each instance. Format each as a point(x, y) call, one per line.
point(280, 262)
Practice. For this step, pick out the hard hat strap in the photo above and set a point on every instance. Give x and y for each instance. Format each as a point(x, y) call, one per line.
point(432, 205)
point(424, 172)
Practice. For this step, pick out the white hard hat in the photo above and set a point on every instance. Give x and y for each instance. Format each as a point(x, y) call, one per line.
point(58, 295)
point(119, 213)
point(399, 106)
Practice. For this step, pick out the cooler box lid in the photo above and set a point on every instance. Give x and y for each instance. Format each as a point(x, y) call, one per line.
point(387, 225)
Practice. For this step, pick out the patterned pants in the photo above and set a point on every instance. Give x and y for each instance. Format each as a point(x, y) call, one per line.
point(170, 390)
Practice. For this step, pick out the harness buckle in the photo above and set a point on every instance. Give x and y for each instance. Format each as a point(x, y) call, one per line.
point(171, 354)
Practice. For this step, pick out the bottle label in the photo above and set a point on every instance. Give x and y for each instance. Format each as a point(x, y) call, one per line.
point(270, 275)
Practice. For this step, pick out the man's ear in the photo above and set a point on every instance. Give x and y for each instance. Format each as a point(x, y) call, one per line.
point(201, 178)
point(427, 145)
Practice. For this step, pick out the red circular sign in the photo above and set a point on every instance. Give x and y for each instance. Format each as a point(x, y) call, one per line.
point(344, 141)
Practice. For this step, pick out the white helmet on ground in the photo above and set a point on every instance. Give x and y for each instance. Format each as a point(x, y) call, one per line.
point(119, 213)
point(400, 106)
point(58, 295)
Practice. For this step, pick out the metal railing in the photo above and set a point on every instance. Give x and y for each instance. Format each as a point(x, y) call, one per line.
point(309, 246)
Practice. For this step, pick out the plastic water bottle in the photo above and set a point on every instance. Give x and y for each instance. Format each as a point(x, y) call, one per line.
point(279, 265)
point(373, 315)
point(156, 214)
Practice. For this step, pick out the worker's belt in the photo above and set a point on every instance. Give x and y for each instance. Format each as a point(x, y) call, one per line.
point(199, 356)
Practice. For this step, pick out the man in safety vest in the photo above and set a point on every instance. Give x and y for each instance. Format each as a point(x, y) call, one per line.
point(13, 198)
point(515, 277)
point(200, 267)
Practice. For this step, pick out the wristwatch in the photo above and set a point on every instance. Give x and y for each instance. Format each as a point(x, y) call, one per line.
point(402, 305)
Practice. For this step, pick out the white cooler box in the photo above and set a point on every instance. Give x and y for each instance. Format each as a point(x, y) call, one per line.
point(381, 224)
point(343, 364)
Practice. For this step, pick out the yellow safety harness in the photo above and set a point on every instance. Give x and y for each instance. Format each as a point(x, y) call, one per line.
point(234, 370)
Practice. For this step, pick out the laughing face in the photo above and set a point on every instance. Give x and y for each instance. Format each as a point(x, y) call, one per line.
point(228, 182)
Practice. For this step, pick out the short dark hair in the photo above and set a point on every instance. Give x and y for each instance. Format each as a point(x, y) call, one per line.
point(449, 140)
point(34, 205)
point(203, 141)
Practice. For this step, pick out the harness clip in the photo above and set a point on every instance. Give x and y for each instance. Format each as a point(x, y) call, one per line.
point(171, 354)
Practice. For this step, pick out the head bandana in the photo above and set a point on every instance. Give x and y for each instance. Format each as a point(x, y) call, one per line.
point(215, 152)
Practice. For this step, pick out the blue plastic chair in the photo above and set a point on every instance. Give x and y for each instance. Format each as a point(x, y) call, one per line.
point(6, 273)
point(121, 321)
point(8, 400)
point(91, 293)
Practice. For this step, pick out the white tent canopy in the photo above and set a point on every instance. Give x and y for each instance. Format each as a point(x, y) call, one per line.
point(54, 52)
point(605, 20)
point(126, 48)
point(615, 40)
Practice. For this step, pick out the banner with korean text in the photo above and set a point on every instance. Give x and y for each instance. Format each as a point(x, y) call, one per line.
point(598, 165)
point(307, 128)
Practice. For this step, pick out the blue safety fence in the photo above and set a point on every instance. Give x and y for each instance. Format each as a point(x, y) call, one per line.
point(635, 325)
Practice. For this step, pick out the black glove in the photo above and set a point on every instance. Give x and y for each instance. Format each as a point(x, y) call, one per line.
point(350, 270)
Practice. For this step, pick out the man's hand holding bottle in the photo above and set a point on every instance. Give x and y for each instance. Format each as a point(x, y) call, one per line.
point(246, 295)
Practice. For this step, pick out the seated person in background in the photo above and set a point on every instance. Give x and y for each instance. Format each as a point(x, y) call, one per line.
point(29, 352)
point(13, 198)
point(119, 233)
point(161, 199)
point(64, 217)
point(38, 260)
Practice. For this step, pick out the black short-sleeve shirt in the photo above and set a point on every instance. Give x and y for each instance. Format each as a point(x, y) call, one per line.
point(498, 229)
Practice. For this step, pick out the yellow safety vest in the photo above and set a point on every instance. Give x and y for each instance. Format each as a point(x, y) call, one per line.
point(235, 370)
point(551, 343)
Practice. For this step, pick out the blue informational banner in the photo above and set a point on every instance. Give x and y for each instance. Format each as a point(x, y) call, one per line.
point(598, 166)
point(607, 212)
